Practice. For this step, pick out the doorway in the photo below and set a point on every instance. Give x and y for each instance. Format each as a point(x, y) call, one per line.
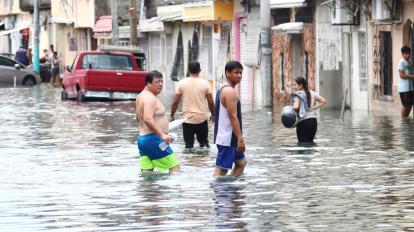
point(386, 62)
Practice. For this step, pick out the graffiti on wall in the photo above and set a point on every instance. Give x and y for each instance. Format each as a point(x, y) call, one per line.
point(376, 64)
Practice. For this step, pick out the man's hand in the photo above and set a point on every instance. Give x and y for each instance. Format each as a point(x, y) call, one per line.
point(167, 139)
point(172, 118)
point(212, 118)
point(241, 147)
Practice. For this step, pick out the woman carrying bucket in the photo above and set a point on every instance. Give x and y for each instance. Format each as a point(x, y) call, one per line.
point(306, 102)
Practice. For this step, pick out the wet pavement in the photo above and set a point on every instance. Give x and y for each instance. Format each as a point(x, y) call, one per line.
point(74, 167)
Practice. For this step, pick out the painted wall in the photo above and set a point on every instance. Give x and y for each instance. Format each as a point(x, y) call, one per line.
point(79, 11)
point(69, 41)
point(282, 59)
point(223, 10)
point(84, 16)
point(199, 13)
point(329, 58)
point(293, 47)
point(246, 29)
point(341, 61)
point(63, 10)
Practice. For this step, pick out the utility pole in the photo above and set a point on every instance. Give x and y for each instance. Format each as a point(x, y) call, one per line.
point(114, 13)
point(265, 54)
point(36, 65)
point(133, 22)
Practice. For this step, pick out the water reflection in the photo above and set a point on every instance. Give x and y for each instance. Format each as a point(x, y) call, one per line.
point(74, 167)
point(228, 201)
point(151, 214)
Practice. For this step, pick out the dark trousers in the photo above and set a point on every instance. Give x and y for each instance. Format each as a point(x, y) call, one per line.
point(306, 130)
point(201, 132)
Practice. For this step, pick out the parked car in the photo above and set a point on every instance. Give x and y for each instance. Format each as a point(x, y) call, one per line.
point(15, 73)
point(103, 74)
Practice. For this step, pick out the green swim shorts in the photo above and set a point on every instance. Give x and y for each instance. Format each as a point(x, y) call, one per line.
point(161, 164)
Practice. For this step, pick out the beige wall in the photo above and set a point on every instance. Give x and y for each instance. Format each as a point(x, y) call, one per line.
point(82, 12)
point(9, 7)
point(72, 38)
point(62, 10)
point(85, 13)
point(64, 34)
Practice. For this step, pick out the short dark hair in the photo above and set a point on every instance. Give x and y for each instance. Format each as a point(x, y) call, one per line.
point(151, 75)
point(231, 65)
point(194, 67)
point(405, 49)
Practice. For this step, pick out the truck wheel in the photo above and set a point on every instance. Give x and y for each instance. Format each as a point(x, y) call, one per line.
point(63, 95)
point(80, 97)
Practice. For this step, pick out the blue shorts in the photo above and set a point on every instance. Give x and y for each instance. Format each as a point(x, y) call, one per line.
point(148, 145)
point(226, 156)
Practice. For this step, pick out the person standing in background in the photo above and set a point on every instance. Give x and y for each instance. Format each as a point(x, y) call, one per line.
point(21, 56)
point(55, 69)
point(45, 58)
point(196, 94)
point(30, 56)
point(405, 86)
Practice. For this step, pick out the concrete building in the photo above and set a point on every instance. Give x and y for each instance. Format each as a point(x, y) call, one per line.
point(193, 30)
point(342, 53)
point(16, 24)
point(245, 48)
point(325, 42)
point(71, 24)
point(294, 48)
point(389, 29)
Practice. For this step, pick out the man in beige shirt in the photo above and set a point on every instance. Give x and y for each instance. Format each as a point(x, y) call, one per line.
point(196, 94)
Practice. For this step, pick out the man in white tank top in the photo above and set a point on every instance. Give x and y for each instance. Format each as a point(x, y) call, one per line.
point(228, 135)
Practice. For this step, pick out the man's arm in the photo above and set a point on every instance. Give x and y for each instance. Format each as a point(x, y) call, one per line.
point(229, 98)
point(406, 76)
point(174, 106)
point(210, 105)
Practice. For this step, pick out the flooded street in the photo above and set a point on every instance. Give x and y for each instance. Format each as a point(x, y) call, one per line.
point(75, 167)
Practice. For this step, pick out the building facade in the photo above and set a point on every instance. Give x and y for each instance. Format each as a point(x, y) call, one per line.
point(388, 30)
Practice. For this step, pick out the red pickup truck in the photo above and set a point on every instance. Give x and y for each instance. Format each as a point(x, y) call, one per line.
point(103, 74)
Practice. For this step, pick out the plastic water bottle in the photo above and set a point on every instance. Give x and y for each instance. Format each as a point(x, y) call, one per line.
point(163, 146)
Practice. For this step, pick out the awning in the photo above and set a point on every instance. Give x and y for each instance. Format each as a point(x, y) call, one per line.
point(19, 28)
point(197, 11)
point(62, 20)
point(103, 24)
point(286, 3)
point(170, 13)
point(289, 28)
point(150, 25)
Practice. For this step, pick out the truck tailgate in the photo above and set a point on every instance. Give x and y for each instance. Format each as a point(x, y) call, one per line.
point(115, 80)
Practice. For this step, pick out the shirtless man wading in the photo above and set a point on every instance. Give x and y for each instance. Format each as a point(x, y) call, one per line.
point(153, 125)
